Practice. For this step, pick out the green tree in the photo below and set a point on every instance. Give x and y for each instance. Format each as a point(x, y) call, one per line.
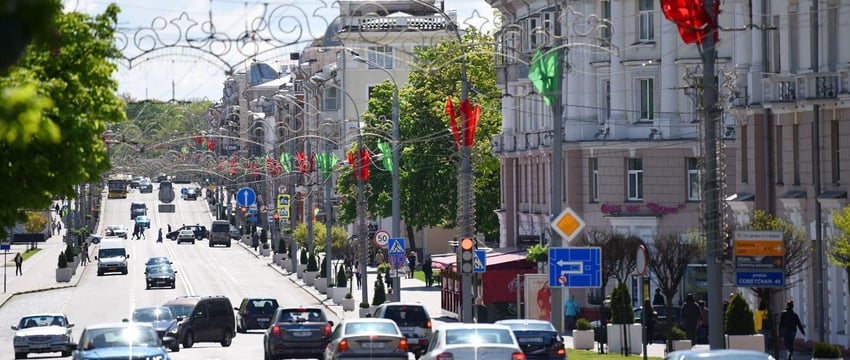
point(55, 102)
point(429, 157)
point(36, 222)
point(838, 246)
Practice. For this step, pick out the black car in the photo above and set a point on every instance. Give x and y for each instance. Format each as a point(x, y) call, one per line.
point(145, 187)
point(254, 313)
point(161, 319)
point(160, 276)
point(200, 231)
point(302, 332)
point(203, 319)
point(662, 323)
point(537, 338)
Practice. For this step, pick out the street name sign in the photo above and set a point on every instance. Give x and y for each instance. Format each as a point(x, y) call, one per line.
point(577, 267)
point(568, 224)
point(479, 262)
point(759, 258)
point(759, 279)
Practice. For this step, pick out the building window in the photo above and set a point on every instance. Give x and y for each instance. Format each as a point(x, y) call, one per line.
point(835, 150)
point(646, 13)
point(693, 180)
point(382, 56)
point(594, 180)
point(635, 174)
point(606, 15)
point(647, 100)
point(330, 99)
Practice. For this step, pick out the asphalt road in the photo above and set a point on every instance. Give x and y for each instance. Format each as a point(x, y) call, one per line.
point(202, 270)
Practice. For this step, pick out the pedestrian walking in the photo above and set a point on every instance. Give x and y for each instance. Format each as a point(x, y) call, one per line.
point(571, 311)
point(411, 263)
point(379, 258)
point(658, 299)
point(135, 232)
point(84, 254)
point(142, 232)
point(388, 279)
point(702, 328)
point(764, 325)
point(789, 322)
point(428, 271)
point(169, 228)
point(357, 273)
point(648, 318)
point(255, 241)
point(691, 316)
point(59, 223)
point(19, 261)
point(159, 237)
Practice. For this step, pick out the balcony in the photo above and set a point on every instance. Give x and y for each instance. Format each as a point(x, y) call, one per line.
point(780, 89)
point(395, 24)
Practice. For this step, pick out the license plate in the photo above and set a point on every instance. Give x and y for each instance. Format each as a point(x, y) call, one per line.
point(537, 339)
point(373, 345)
point(262, 319)
point(39, 346)
point(112, 268)
point(408, 330)
point(301, 333)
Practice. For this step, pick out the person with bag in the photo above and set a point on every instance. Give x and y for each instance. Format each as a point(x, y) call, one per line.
point(789, 322)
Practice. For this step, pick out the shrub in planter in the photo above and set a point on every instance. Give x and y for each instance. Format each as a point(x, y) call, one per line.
point(380, 295)
point(621, 306)
point(825, 350)
point(311, 263)
point(349, 296)
point(323, 272)
point(363, 304)
point(739, 317)
point(341, 278)
point(281, 247)
point(63, 262)
point(583, 324)
point(678, 333)
point(69, 253)
point(303, 258)
point(264, 238)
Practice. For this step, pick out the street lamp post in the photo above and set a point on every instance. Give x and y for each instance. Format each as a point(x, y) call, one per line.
point(396, 205)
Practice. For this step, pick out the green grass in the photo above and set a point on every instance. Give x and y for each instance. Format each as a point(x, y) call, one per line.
point(27, 254)
point(573, 354)
point(419, 275)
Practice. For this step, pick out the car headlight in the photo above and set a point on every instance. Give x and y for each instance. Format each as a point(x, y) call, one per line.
point(20, 340)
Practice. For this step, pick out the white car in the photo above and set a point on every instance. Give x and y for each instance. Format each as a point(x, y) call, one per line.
point(372, 338)
point(116, 230)
point(186, 235)
point(43, 333)
point(473, 342)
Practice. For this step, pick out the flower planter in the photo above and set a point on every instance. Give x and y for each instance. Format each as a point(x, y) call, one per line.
point(745, 342)
point(339, 294)
point(348, 305)
point(265, 252)
point(287, 265)
point(278, 258)
point(300, 270)
point(616, 342)
point(63, 275)
point(365, 312)
point(583, 339)
point(679, 345)
point(310, 277)
point(321, 284)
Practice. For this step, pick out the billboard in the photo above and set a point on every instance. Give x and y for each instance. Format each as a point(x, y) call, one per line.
point(538, 297)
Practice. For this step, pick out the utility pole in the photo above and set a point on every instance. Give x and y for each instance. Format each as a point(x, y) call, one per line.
point(466, 198)
point(361, 216)
point(557, 295)
point(711, 189)
point(329, 273)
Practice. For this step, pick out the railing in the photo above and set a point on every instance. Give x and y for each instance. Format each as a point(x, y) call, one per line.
point(380, 23)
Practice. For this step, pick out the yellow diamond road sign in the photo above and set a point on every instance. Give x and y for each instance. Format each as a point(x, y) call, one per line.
point(568, 224)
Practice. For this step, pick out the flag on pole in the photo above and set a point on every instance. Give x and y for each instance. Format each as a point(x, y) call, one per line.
point(693, 21)
point(386, 151)
point(545, 74)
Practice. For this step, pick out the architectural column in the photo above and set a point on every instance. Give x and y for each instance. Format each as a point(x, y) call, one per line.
point(669, 121)
point(755, 52)
point(573, 83)
point(619, 86)
point(588, 110)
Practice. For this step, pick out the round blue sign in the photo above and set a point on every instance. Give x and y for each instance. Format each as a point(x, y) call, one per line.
point(246, 197)
point(184, 191)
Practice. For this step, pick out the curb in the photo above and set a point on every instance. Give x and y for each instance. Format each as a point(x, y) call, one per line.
point(24, 292)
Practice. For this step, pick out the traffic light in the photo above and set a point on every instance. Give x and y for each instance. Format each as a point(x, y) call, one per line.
point(467, 246)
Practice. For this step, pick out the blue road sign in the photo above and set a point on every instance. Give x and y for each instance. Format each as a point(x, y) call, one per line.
point(760, 278)
point(246, 196)
point(5, 246)
point(479, 263)
point(184, 191)
point(397, 261)
point(579, 267)
point(395, 246)
point(252, 219)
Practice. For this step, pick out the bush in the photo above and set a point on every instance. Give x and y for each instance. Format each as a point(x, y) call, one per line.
point(303, 259)
point(349, 296)
point(739, 317)
point(311, 263)
point(63, 262)
point(383, 268)
point(69, 253)
point(341, 278)
point(825, 350)
point(264, 238)
point(380, 295)
point(583, 324)
point(363, 304)
point(319, 248)
point(678, 334)
point(323, 272)
point(281, 246)
point(621, 306)
point(537, 253)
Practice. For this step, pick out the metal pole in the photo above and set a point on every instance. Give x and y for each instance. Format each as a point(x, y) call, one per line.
point(557, 295)
point(816, 178)
point(396, 205)
point(467, 226)
point(328, 228)
point(711, 188)
point(361, 215)
point(293, 182)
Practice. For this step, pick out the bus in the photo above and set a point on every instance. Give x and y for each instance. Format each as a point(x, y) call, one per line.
point(117, 185)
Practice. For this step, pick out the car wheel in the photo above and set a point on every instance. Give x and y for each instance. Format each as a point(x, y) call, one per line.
point(66, 353)
point(173, 285)
point(228, 244)
point(239, 328)
point(99, 273)
point(266, 355)
point(211, 244)
point(193, 242)
point(188, 340)
point(147, 286)
point(20, 355)
point(228, 338)
point(176, 348)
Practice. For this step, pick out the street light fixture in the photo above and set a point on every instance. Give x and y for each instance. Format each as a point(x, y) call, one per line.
point(396, 205)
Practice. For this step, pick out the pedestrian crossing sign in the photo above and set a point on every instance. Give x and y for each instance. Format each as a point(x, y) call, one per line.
point(479, 261)
point(396, 246)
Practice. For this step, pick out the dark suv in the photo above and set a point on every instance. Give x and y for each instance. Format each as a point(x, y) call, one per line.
point(200, 231)
point(254, 313)
point(203, 319)
point(412, 319)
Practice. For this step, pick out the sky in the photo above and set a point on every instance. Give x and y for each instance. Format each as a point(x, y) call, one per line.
point(185, 73)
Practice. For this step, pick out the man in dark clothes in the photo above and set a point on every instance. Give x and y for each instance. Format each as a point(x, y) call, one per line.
point(658, 299)
point(691, 316)
point(428, 271)
point(789, 322)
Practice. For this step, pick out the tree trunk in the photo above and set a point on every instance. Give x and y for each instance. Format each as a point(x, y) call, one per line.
point(411, 239)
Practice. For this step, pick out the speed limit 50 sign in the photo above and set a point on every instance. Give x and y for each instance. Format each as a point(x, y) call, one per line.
point(382, 238)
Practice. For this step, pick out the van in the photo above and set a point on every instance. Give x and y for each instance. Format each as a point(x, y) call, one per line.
point(111, 257)
point(220, 233)
point(137, 208)
point(203, 319)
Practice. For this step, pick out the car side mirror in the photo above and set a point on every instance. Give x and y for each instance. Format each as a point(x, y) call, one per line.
point(125, 320)
point(128, 256)
point(236, 308)
point(70, 325)
point(14, 327)
point(175, 271)
point(95, 257)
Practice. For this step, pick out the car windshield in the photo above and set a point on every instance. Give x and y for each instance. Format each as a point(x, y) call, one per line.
point(302, 315)
point(106, 253)
point(478, 336)
point(41, 320)
point(187, 233)
point(531, 326)
point(180, 310)
point(157, 260)
point(141, 336)
point(358, 328)
point(159, 270)
point(115, 227)
point(152, 314)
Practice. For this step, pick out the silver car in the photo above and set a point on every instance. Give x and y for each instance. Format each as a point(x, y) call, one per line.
point(473, 342)
point(370, 338)
point(42, 333)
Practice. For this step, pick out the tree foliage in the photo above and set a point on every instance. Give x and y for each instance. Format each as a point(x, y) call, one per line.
point(618, 253)
point(429, 157)
point(838, 246)
point(738, 319)
point(54, 103)
point(669, 257)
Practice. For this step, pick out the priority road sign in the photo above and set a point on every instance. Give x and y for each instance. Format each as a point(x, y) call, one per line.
point(246, 196)
point(396, 246)
point(382, 238)
point(479, 262)
point(581, 266)
point(568, 224)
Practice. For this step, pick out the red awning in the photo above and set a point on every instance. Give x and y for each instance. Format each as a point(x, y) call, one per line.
point(493, 258)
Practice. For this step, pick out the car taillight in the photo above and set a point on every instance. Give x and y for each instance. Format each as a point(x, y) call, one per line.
point(327, 331)
point(518, 356)
point(428, 324)
point(402, 346)
point(343, 346)
point(276, 331)
point(560, 351)
point(445, 356)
